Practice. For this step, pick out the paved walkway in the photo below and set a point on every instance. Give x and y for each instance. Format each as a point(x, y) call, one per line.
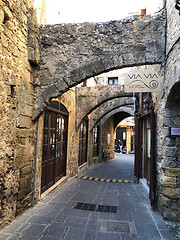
point(93, 209)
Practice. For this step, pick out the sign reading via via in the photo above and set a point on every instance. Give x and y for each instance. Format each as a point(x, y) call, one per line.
point(142, 80)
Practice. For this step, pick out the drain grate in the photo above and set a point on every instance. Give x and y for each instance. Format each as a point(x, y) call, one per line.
point(118, 227)
point(96, 208)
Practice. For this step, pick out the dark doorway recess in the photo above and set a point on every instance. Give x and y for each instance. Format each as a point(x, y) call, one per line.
point(145, 167)
point(83, 140)
point(54, 145)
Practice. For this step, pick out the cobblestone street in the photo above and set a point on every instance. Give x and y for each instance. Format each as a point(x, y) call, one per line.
point(99, 208)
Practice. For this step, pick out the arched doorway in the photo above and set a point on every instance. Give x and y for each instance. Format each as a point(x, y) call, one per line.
point(124, 136)
point(54, 144)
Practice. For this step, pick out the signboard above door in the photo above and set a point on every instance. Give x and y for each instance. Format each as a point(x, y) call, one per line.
point(142, 80)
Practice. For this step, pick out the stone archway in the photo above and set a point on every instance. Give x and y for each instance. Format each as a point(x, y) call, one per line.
point(72, 53)
point(108, 126)
point(105, 111)
point(91, 98)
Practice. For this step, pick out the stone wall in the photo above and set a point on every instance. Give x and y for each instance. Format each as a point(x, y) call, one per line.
point(167, 105)
point(17, 143)
point(68, 99)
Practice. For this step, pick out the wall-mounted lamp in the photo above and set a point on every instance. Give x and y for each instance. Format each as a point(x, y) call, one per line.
point(177, 5)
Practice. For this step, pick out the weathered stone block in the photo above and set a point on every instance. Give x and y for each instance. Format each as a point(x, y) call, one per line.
point(169, 181)
point(172, 192)
point(23, 122)
point(24, 109)
point(172, 172)
point(26, 171)
point(1, 15)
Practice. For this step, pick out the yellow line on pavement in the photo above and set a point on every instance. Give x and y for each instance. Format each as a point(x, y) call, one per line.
point(105, 180)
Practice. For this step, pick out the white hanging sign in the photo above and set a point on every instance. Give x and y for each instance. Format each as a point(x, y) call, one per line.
point(142, 80)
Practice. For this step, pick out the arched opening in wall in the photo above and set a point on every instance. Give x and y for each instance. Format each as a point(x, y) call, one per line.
point(54, 144)
point(124, 136)
point(93, 95)
point(124, 139)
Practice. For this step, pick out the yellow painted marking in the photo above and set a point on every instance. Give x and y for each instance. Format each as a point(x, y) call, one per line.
point(105, 180)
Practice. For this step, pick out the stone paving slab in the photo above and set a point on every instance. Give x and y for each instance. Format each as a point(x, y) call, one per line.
point(56, 218)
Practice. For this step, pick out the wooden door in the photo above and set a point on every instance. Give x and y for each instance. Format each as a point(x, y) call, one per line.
point(144, 166)
point(61, 143)
point(54, 148)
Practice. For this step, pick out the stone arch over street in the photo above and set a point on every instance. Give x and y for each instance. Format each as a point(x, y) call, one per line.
point(72, 53)
point(104, 112)
point(101, 98)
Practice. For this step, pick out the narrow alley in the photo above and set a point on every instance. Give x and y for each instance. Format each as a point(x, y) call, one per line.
point(102, 203)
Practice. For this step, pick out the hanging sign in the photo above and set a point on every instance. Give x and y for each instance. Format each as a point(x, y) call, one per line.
point(142, 80)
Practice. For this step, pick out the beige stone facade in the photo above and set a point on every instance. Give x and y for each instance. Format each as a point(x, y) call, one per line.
point(17, 144)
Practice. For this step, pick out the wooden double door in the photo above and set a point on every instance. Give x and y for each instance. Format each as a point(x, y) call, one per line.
point(54, 148)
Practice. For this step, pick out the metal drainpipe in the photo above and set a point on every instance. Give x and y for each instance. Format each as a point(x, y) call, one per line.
point(35, 163)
